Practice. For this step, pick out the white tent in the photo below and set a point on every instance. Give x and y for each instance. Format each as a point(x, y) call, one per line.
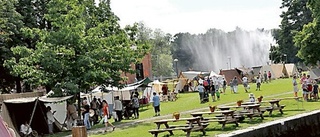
point(191, 74)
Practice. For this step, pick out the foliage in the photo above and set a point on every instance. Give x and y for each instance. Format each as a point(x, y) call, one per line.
point(308, 38)
point(296, 15)
point(84, 47)
point(10, 25)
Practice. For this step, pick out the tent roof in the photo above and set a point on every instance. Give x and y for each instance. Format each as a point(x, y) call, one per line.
point(192, 74)
point(230, 74)
point(278, 70)
point(32, 99)
point(143, 82)
point(291, 69)
point(212, 74)
point(314, 73)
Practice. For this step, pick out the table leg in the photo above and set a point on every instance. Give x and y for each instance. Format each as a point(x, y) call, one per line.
point(167, 126)
point(280, 109)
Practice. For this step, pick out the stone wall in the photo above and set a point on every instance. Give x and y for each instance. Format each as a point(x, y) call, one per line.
point(302, 125)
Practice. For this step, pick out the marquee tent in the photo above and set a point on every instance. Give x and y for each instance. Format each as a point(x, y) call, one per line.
point(17, 111)
point(279, 70)
point(230, 74)
point(291, 69)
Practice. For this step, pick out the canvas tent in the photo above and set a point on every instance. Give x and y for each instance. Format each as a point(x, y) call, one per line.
point(17, 111)
point(279, 70)
point(185, 81)
point(230, 74)
point(314, 73)
point(256, 70)
point(291, 69)
point(267, 68)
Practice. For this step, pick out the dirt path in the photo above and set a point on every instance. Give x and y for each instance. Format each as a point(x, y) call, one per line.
point(124, 125)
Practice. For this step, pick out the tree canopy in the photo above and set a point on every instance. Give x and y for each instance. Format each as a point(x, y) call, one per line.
point(84, 46)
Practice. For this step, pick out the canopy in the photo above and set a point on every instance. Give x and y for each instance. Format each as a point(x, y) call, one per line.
point(192, 74)
point(143, 82)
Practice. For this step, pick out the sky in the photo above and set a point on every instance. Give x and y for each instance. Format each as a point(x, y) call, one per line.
point(197, 16)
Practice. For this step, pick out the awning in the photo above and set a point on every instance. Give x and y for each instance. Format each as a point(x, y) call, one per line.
point(143, 82)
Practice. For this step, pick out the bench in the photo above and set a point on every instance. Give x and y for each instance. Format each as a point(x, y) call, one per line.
point(276, 108)
point(155, 132)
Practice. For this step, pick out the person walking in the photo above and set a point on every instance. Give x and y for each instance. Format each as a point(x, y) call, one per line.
point(235, 84)
point(156, 104)
point(135, 105)
point(258, 81)
point(245, 83)
point(105, 109)
point(201, 92)
point(118, 108)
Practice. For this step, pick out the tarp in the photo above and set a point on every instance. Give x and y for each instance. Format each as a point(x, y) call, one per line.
point(143, 82)
point(44, 99)
point(291, 69)
point(213, 74)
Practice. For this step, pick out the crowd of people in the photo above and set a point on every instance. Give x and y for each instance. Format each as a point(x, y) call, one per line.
point(310, 88)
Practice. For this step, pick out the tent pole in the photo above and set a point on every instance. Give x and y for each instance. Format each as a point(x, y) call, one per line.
point(34, 109)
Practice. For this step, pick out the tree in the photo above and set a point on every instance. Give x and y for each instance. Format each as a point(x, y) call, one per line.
point(10, 25)
point(307, 40)
point(84, 47)
point(293, 19)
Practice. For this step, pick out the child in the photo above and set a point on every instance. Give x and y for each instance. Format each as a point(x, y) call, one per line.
point(218, 95)
point(252, 98)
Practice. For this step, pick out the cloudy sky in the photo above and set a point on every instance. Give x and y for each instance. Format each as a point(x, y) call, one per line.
point(197, 16)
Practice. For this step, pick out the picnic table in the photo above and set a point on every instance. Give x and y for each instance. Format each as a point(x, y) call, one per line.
point(194, 124)
point(228, 117)
point(275, 105)
point(249, 110)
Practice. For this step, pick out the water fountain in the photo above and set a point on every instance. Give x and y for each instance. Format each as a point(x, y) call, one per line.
point(217, 49)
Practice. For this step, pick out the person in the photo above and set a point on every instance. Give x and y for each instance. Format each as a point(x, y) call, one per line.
point(118, 108)
point(218, 95)
point(99, 102)
point(156, 104)
point(135, 105)
point(50, 119)
point(164, 89)
point(72, 115)
point(201, 92)
point(105, 109)
point(94, 107)
point(265, 75)
point(245, 83)
point(25, 129)
point(206, 85)
point(252, 98)
point(86, 115)
point(258, 81)
point(295, 86)
point(231, 86)
point(269, 76)
point(315, 90)
point(305, 90)
point(224, 85)
point(213, 91)
point(235, 84)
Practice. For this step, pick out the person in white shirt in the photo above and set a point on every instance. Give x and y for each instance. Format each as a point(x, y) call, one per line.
point(245, 83)
point(118, 108)
point(258, 81)
point(25, 129)
point(50, 119)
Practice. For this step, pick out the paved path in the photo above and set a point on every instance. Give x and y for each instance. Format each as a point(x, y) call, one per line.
point(124, 125)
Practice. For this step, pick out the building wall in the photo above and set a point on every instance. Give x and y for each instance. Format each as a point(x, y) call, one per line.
point(147, 70)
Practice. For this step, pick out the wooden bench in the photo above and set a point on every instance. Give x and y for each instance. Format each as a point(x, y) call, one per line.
point(155, 132)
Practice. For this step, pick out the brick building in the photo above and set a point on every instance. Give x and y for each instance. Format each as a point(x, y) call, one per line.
point(143, 70)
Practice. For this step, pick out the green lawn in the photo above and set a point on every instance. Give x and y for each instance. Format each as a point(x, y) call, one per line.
point(189, 101)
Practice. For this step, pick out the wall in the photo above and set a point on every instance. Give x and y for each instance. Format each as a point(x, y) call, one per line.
point(302, 125)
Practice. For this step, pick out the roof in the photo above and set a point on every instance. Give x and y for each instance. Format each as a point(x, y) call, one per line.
point(230, 74)
point(192, 74)
point(43, 99)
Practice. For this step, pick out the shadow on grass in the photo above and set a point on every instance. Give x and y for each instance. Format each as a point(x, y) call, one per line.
point(228, 127)
point(255, 120)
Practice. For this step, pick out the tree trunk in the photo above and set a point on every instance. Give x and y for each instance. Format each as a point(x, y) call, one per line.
point(18, 84)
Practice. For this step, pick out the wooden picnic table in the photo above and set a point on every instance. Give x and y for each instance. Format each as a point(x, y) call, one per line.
point(186, 128)
point(249, 110)
point(275, 105)
point(228, 117)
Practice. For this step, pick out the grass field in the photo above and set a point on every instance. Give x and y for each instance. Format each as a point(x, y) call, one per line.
point(189, 101)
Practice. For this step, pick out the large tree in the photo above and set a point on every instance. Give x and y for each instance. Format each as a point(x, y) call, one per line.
point(308, 39)
point(296, 15)
point(10, 25)
point(84, 47)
